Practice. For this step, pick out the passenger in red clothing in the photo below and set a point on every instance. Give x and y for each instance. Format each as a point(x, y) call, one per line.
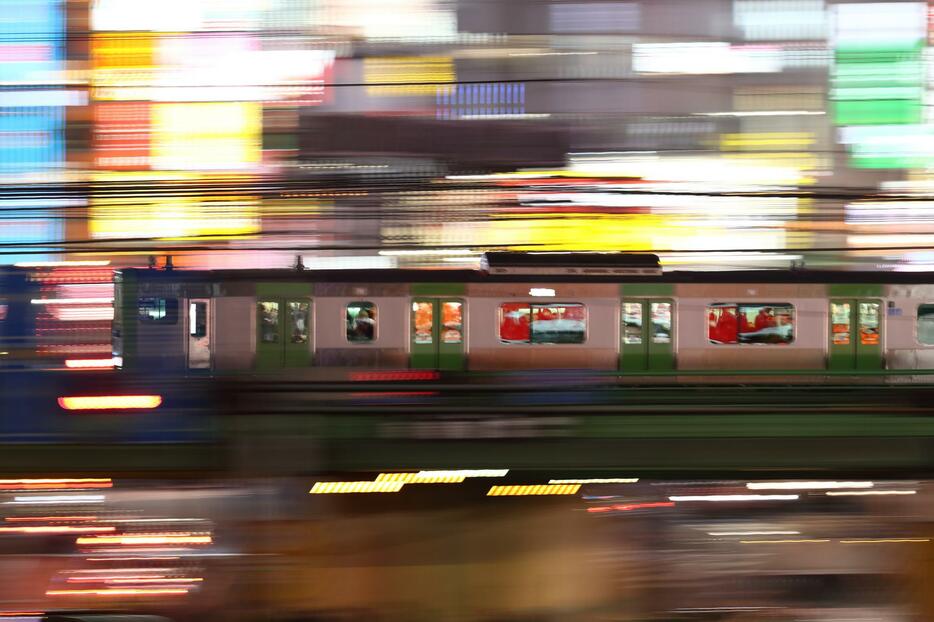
point(727, 326)
point(765, 319)
point(515, 325)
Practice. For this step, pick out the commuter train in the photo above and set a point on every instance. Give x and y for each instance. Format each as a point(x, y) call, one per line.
point(525, 311)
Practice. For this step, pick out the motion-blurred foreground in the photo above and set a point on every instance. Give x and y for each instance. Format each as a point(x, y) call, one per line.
point(449, 546)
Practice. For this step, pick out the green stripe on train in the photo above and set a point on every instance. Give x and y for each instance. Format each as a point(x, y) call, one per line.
point(855, 290)
point(647, 289)
point(438, 289)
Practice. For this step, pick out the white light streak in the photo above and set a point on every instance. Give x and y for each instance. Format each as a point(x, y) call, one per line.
point(465, 473)
point(813, 485)
point(71, 301)
point(544, 292)
point(762, 113)
point(866, 493)
point(727, 498)
point(753, 533)
point(516, 115)
point(61, 264)
point(57, 499)
point(554, 53)
point(428, 252)
point(596, 480)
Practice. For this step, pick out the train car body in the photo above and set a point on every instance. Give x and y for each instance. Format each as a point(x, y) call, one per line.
point(635, 320)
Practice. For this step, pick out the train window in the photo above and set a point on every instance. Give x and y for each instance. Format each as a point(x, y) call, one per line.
point(424, 321)
point(840, 323)
point(158, 310)
point(751, 324)
point(298, 313)
point(661, 322)
point(869, 323)
point(926, 324)
point(522, 322)
point(452, 322)
point(269, 321)
point(198, 319)
point(361, 322)
point(632, 323)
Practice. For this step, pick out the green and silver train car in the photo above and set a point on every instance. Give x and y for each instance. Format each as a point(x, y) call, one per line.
point(609, 313)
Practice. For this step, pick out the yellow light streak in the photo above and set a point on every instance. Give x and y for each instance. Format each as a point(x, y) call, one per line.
point(395, 75)
point(535, 489)
point(415, 478)
point(802, 541)
point(335, 488)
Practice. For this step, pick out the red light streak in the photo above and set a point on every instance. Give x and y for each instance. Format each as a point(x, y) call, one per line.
point(371, 376)
point(631, 506)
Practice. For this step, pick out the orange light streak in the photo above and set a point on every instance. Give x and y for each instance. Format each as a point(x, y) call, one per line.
point(155, 580)
point(129, 540)
point(50, 519)
point(110, 402)
point(131, 559)
point(112, 570)
point(54, 484)
point(57, 529)
point(143, 591)
point(631, 506)
point(127, 577)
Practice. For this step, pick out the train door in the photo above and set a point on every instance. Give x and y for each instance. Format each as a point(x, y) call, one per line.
point(199, 333)
point(647, 334)
point(437, 334)
point(283, 331)
point(855, 334)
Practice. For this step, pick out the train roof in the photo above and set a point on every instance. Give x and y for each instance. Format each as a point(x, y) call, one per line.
point(441, 275)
